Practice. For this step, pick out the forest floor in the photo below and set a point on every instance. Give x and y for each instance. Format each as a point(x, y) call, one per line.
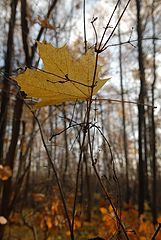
point(48, 222)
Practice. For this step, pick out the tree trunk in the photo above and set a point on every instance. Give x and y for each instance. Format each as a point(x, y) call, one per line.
point(153, 132)
point(25, 32)
point(66, 145)
point(88, 188)
point(6, 194)
point(141, 112)
point(6, 83)
point(125, 143)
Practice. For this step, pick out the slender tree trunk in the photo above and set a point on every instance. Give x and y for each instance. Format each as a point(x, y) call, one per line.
point(21, 163)
point(106, 156)
point(25, 32)
point(141, 112)
point(51, 132)
point(125, 143)
point(146, 158)
point(81, 196)
point(66, 145)
point(88, 187)
point(153, 138)
point(6, 83)
point(5, 210)
point(6, 195)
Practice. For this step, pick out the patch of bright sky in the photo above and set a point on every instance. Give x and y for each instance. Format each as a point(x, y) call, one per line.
point(100, 9)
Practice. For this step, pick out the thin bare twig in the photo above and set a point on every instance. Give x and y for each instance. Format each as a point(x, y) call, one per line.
point(55, 173)
point(107, 26)
point(65, 129)
point(84, 25)
point(131, 41)
point(156, 232)
point(95, 32)
point(125, 101)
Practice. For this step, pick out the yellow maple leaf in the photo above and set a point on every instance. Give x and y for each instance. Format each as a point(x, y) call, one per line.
point(63, 78)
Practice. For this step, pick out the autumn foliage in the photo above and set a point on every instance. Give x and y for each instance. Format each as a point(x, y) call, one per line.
point(136, 227)
point(48, 218)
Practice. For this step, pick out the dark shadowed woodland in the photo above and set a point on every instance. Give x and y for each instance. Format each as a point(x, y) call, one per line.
point(81, 168)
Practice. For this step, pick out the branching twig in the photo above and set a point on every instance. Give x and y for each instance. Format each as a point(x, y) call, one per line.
point(131, 41)
point(107, 26)
point(116, 25)
point(70, 126)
